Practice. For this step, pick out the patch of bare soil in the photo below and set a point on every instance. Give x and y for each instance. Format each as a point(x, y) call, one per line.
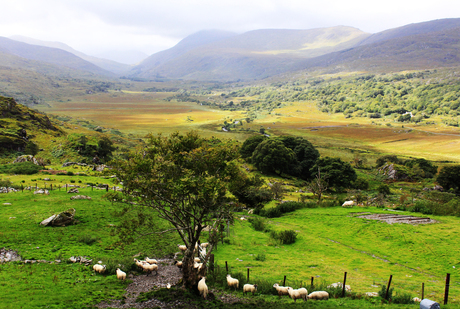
point(395, 218)
point(168, 273)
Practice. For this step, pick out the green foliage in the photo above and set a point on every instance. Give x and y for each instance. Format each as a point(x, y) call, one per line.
point(383, 189)
point(338, 174)
point(306, 155)
point(280, 209)
point(271, 156)
point(88, 239)
point(258, 224)
point(250, 144)
point(249, 191)
point(387, 159)
point(383, 292)
point(422, 167)
point(285, 237)
point(260, 257)
point(402, 298)
point(5, 183)
point(449, 177)
point(361, 184)
point(23, 168)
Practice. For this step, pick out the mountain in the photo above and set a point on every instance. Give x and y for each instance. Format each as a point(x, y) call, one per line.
point(264, 53)
point(109, 65)
point(129, 57)
point(212, 55)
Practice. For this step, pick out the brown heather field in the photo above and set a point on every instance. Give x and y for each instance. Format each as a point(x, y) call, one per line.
point(140, 113)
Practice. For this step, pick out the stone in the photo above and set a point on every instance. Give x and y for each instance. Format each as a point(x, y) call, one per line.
point(80, 197)
point(73, 190)
point(62, 219)
point(42, 191)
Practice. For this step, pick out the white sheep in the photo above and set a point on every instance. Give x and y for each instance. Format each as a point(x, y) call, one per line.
point(140, 264)
point(197, 260)
point(282, 290)
point(178, 264)
point(121, 274)
point(319, 295)
point(151, 261)
point(150, 267)
point(232, 282)
point(301, 293)
point(182, 248)
point(99, 268)
point(348, 203)
point(203, 288)
point(416, 299)
point(251, 288)
point(204, 245)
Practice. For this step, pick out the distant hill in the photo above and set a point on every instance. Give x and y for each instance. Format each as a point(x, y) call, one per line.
point(264, 53)
point(112, 66)
point(129, 57)
point(213, 55)
point(50, 55)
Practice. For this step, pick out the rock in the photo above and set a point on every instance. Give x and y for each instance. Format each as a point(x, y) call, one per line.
point(62, 219)
point(26, 158)
point(42, 191)
point(47, 179)
point(73, 190)
point(7, 204)
point(8, 255)
point(372, 294)
point(80, 197)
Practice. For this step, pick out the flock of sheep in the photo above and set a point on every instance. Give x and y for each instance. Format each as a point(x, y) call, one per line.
point(149, 265)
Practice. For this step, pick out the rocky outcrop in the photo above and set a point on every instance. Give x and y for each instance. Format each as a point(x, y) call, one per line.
point(80, 197)
point(26, 158)
point(62, 219)
point(8, 255)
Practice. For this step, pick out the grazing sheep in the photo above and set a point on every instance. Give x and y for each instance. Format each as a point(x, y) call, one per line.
point(252, 288)
point(282, 290)
point(319, 295)
point(203, 288)
point(197, 260)
point(121, 274)
point(140, 264)
point(301, 293)
point(204, 245)
point(178, 264)
point(232, 282)
point(99, 268)
point(416, 299)
point(348, 203)
point(182, 248)
point(151, 261)
point(150, 267)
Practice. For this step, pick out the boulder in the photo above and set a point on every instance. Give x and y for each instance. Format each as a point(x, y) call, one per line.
point(8, 255)
point(42, 191)
point(26, 158)
point(62, 219)
point(80, 197)
point(73, 190)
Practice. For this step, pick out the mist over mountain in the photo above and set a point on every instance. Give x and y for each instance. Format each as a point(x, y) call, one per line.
point(109, 65)
point(129, 57)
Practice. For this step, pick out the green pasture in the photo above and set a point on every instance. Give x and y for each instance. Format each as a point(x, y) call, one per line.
point(332, 241)
point(65, 285)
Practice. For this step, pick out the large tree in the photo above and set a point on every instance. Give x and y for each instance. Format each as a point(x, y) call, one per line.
point(271, 156)
point(339, 174)
point(184, 180)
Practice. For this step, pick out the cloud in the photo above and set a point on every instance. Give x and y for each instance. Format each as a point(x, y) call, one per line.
point(151, 26)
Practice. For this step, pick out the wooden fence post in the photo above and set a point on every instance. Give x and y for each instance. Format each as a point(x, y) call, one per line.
point(248, 274)
point(284, 281)
point(344, 282)
point(423, 290)
point(311, 285)
point(446, 292)
point(226, 266)
point(388, 287)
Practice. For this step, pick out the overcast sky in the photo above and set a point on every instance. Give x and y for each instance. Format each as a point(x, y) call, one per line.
point(97, 26)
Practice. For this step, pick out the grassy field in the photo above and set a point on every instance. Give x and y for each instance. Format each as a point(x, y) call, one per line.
point(332, 241)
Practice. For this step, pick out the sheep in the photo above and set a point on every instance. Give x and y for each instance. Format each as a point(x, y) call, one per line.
point(348, 203)
point(150, 267)
point(204, 245)
point(252, 288)
point(121, 274)
point(319, 295)
point(178, 264)
point(282, 290)
point(203, 288)
point(197, 260)
point(301, 293)
point(151, 261)
point(416, 299)
point(140, 264)
point(182, 248)
point(99, 268)
point(232, 282)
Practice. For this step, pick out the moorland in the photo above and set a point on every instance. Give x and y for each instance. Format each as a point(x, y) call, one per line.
point(368, 110)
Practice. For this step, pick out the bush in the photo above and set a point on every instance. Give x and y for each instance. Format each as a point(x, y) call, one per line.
point(383, 189)
point(258, 224)
point(403, 298)
point(260, 257)
point(383, 292)
point(282, 208)
point(5, 183)
point(88, 239)
point(23, 168)
point(286, 237)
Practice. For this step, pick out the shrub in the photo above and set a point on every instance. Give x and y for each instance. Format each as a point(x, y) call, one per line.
point(23, 168)
point(260, 257)
point(383, 189)
point(258, 224)
point(403, 298)
point(282, 208)
point(383, 292)
point(5, 183)
point(88, 239)
point(285, 237)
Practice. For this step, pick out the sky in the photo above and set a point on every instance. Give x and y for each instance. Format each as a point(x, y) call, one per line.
point(98, 26)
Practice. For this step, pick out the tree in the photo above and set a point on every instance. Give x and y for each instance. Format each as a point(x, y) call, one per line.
point(318, 185)
point(306, 155)
point(271, 156)
point(250, 144)
point(449, 177)
point(340, 174)
point(105, 148)
point(182, 179)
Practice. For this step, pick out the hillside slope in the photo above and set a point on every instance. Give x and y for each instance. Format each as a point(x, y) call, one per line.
point(49, 55)
point(112, 66)
point(251, 55)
